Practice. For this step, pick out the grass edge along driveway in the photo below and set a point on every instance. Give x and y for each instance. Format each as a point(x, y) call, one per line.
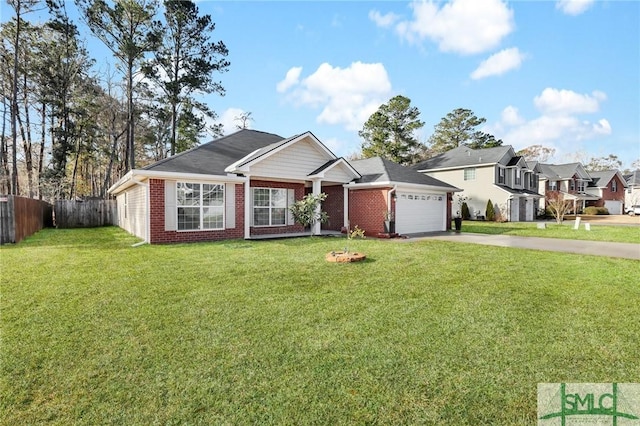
point(243, 332)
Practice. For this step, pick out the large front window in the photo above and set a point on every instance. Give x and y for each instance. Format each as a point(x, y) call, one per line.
point(269, 206)
point(200, 206)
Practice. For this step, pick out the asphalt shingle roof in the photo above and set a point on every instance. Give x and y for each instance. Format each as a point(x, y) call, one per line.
point(601, 177)
point(633, 179)
point(559, 171)
point(213, 157)
point(381, 170)
point(464, 156)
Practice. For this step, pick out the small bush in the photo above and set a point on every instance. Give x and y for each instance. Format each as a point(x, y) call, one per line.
point(465, 211)
point(490, 213)
point(592, 210)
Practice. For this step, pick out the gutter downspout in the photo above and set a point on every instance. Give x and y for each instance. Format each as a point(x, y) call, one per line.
point(389, 194)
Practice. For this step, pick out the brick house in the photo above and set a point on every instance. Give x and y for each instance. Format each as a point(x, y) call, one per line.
point(600, 189)
point(609, 186)
point(241, 185)
point(569, 180)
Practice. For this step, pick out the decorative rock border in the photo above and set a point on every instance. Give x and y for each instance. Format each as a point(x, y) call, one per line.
point(342, 257)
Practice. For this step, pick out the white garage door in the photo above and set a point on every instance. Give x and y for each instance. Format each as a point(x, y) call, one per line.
point(614, 207)
point(420, 212)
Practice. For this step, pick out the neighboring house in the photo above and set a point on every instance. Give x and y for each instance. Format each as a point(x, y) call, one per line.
point(241, 186)
point(609, 186)
point(569, 180)
point(632, 194)
point(495, 174)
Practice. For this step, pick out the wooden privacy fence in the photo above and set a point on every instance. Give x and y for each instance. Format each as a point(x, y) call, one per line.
point(85, 214)
point(21, 217)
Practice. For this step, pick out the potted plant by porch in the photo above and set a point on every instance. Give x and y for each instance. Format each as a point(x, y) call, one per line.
point(458, 219)
point(389, 222)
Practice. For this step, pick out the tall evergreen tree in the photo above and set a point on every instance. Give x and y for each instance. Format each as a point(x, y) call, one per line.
point(389, 132)
point(127, 29)
point(458, 128)
point(186, 63)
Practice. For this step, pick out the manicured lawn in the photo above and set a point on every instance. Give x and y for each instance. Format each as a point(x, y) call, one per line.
point(621, 234)
point(266, 332)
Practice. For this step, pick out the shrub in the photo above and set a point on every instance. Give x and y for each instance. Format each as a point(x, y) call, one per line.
point(465, 211)
point(592, 210)
point(490, 214)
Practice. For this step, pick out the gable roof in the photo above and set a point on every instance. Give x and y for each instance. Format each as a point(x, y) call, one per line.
point(463, 156)
point(379, 170)
point(633, 179)
point(213, 157)
point(562, 171)
point(601, 179)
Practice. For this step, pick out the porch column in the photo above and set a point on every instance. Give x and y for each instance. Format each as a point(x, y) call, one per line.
point(317, 188)
point(247, 208)
point(345, 214)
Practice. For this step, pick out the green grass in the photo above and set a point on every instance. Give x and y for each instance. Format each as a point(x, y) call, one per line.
point(266, 332)
point(621, 234)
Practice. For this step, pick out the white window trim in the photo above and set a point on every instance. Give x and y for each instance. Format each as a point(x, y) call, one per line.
point(286, 207)
point(201, 226)
point(501, 175)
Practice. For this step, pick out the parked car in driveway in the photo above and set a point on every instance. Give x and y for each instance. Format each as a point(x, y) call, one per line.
point(633, 210)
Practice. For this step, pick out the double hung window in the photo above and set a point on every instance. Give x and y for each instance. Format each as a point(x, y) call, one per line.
point(269, 206)
point(200, 206)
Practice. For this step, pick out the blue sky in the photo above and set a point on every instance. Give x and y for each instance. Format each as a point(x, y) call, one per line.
point(564, 74)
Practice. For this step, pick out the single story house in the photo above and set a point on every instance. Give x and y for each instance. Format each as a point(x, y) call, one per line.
point(241, 186)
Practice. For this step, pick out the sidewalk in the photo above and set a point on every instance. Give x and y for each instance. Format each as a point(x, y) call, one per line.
point(595, 248)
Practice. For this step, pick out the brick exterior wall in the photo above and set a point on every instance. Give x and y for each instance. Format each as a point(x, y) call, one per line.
point(160, 236)
point(270, 230)
point(334, 206)
point(608, 194)
point(367, 208)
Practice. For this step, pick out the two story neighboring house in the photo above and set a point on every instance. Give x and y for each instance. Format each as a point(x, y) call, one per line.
point(609, 186)
point(632, 193)
point(495, 174)
point(570, 180)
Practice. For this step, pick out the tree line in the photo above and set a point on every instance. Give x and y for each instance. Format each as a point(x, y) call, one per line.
point(390, 133)
point(69, 130)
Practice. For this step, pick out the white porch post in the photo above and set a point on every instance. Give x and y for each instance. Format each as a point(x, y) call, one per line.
point(346, 207)
point(247, 208)
point(317, 187)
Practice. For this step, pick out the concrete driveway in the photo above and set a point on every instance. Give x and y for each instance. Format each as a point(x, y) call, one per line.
point(595, 248)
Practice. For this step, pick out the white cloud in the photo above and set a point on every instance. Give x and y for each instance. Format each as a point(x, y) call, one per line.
point(574, 7)
point(559, 124)
point(460, 26)
point(563, 102)
point(384, 21)
point(499, 63)
point(511, 116)
point(291, 79)
point(229, 121)
point(346, 96)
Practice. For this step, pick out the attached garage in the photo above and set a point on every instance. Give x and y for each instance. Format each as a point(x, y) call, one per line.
point(614, 206)
point(420, 211)
point(419, 203)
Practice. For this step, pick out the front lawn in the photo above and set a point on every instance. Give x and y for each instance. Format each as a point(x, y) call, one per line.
point(266, 332)
point(620, 234)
